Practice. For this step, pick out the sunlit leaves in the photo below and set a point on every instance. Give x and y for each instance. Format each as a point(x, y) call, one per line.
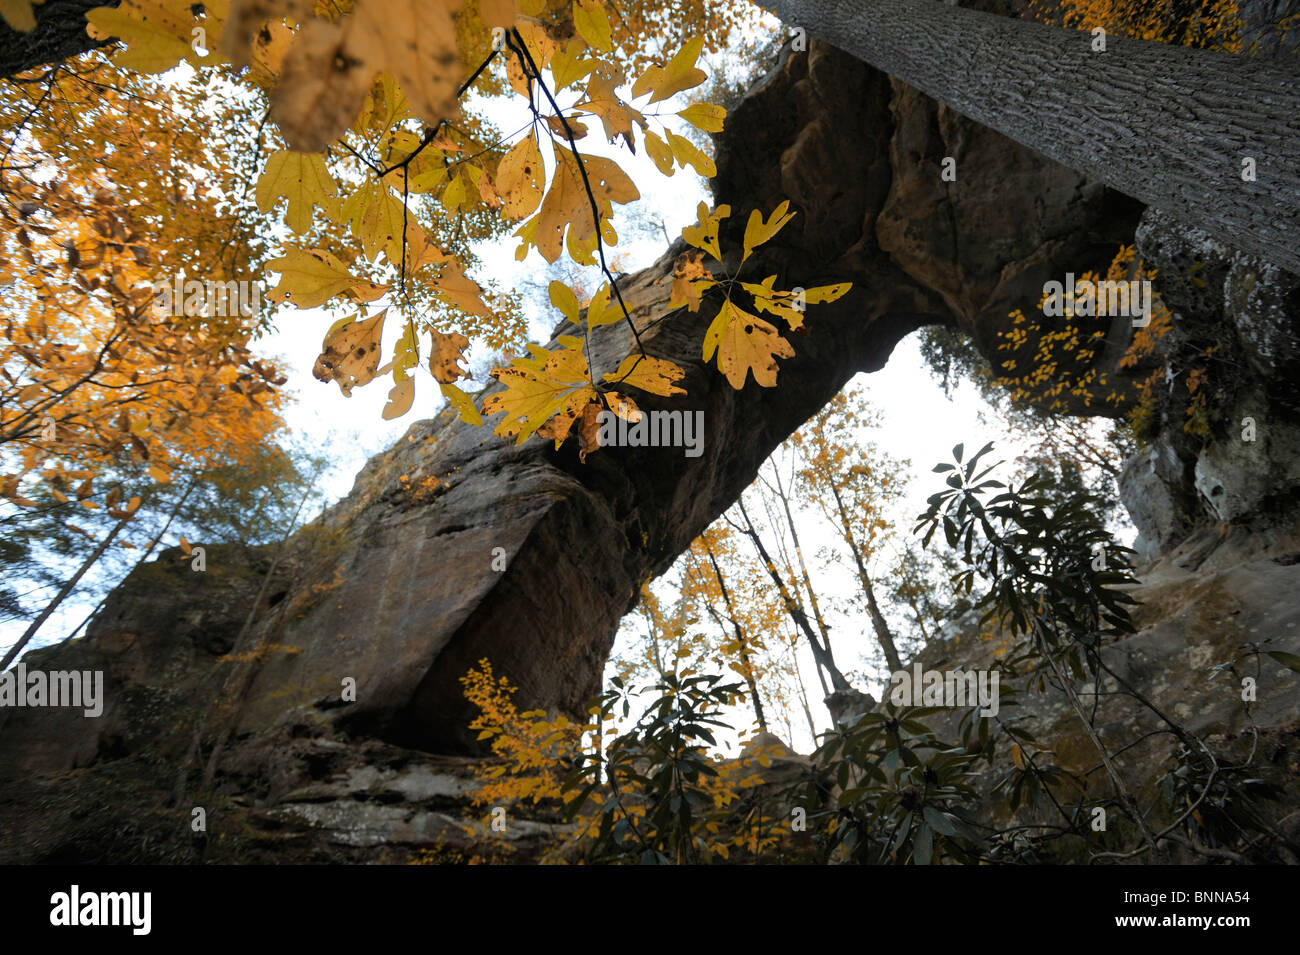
point(304, 180)
point(350, 353)
point(704, 234)
point(704, 116)
point(679, 75)
point(158, 33)
point(745, 343)
point(592, 24)
point(311, 277)
point(658, 376)
point(538, 387)
point(758, 230)
point(520, 178)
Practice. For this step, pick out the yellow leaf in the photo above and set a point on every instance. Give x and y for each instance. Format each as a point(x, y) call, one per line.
point(688, 154)
point(680, 74)
point(690, 280)
point(186, 549)
point(19, 14)
point(558, 128)
point(704, 116)
point(566, 206)
point(157, 33)
point(826, 293)
point(704, 234)
point(562, 297)
point(400, 397)
point(350, 352)
point(616, 116)
point(758, 231)
point(311, 277)
point(520, 177)
point(592, 25)
point(375, 217)
point(746, 343)
point(658, 376)
point(160, 474)
point(537, 390)
point(303, 179)
point(462, 403)
point(660, 153)
point(600, 311)
point(456, 288)
point(445, 358)
point(568, 65)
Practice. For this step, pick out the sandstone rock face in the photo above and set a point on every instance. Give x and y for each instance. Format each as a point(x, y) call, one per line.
point(1237, 320)
point(1201, 604)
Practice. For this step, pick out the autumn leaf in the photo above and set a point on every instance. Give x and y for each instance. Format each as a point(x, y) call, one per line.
point(688, 154)
point(538, 387)
point(157, 33)
point(658, 376)
point(446, 356)
point(592, 24)
point(745, 343)
point(350, 353)
point(680, 74)
point(246, 20)
point(690, 280)
point(704, 234)
point(660, 153)
point(616, 116)
point(400, 397)
point(704, 116)
point(304, 180)
point(328, 71)
point(568, 66)
point(520, 178)
point(19, 14)
point(456, 288)
point(463, 404)
point(758, 230)
point(311, 277)
point(562, 297)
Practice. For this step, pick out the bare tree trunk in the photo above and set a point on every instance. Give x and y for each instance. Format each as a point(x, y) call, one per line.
point(883, 633)
point(740, 638)
point(1171, 126)
point(63, 592)
point(822, 654)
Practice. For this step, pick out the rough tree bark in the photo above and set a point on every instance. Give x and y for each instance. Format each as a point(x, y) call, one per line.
point(1168, 125)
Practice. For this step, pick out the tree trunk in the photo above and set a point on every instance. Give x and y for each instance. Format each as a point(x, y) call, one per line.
point(1168, 125)
point(66, 589)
